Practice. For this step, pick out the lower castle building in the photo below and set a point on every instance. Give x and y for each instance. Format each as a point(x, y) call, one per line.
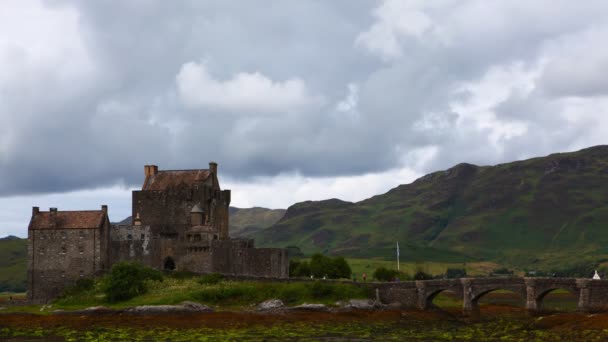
point(179, 222)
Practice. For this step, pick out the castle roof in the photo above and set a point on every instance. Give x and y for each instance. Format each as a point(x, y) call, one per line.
point(86, 219)
point(169, 178)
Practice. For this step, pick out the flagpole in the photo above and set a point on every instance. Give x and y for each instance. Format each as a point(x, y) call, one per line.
point(397, 255)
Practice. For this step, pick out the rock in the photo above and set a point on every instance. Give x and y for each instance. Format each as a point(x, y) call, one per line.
point(185, 307)
point(96, 308)
point(310, 307)
point(270, 304)
point(361, 304)
point(197, 307)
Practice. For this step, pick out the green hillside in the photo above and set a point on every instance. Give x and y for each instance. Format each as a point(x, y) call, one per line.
point(246, 221)
point(543, 211)
point(13, 264)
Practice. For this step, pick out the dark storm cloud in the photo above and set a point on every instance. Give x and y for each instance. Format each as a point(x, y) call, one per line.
point(322, 88)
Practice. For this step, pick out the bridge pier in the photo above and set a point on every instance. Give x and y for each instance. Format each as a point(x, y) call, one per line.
point(584, 295)
point(469, 305)
point(533, 304)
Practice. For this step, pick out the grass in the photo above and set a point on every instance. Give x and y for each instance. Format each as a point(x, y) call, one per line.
point(224, 294)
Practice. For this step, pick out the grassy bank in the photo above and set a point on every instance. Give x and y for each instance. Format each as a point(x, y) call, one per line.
point(224, 294)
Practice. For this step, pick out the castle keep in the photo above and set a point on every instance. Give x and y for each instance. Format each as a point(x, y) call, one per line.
point(179, 222)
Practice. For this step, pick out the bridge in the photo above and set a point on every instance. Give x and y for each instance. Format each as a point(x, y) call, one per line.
point(592, 294)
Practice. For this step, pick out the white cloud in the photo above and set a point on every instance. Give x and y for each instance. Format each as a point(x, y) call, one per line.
point(243, 92)
point(397, 20)
point(349, 103)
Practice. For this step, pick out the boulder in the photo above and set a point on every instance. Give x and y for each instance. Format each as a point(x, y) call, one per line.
point(310, 307)
point(185, 307)
point(270, 304)
point(361, 304)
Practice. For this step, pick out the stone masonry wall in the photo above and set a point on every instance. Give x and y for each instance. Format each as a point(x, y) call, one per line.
point(60, 257)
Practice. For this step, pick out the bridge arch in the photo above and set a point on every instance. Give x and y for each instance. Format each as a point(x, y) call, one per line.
point(541, 295)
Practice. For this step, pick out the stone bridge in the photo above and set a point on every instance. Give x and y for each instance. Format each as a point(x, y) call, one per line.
point(592, 294)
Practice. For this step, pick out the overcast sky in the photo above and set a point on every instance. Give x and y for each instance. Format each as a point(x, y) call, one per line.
point(294, 99)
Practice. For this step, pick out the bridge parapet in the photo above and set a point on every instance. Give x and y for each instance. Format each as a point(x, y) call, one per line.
point(592, 294)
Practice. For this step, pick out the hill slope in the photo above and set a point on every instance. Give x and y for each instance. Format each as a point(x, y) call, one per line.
point(13, 264)
point(247, 221)
point(552, 209)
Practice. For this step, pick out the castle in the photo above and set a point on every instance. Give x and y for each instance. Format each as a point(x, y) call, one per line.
point(179, 222)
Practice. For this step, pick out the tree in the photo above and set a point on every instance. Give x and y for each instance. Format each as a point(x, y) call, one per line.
point(341, 269)
point(384, 274)
point(452, 273)
point(127, 280)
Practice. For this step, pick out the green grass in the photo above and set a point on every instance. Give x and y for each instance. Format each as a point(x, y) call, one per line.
point(224, 294)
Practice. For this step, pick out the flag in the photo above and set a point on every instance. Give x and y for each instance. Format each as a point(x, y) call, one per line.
point(397, 249)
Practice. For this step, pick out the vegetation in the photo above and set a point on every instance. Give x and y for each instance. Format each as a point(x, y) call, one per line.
point(13, 264)
point(384, 274)
point(127, 280)
point(452, 273)
point(320, 266)
point(209, 279)
point(223, 293)
point(245, 222)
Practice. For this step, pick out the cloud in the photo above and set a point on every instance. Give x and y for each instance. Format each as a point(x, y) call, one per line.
point(92, 90)
point(243, 92)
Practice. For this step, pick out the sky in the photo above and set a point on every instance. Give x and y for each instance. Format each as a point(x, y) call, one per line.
point(295, 100)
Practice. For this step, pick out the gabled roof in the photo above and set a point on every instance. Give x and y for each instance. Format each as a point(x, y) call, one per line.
point(169, 178)
point(86, 219)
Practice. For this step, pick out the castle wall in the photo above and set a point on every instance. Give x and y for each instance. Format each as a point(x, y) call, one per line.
point(239, 257)
point(58, 258)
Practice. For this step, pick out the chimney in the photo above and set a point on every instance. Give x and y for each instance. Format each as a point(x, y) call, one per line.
point(53, 211)
point(150, 170)
point(35, 211)
point(213, 167)
point(104, 208)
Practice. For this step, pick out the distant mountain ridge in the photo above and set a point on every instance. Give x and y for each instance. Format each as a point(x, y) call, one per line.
point(244, 221)
point(532, 212)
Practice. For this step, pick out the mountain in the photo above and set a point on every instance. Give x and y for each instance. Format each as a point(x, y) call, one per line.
point(549, 210)
point(245, 222)
point(13, 264)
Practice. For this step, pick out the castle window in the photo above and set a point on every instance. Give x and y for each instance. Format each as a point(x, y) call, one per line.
point(40, 250)
point(63, 250)
point(62, 274)
point(143, 236)
point(197, 237)
point(81, 274)
point(64, 235)
point(129, 237)
point(214, 236)
point(81, 234)
point(81, 249)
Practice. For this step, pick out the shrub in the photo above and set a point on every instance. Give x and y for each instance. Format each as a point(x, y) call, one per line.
point(455, 273)
point(421, 275)
point(332, 268)
point(81, 286)
point(321, 290)
point(384, 274)
point(127, 280)
point(211, 278)
point(299, 268)
point(502, 271)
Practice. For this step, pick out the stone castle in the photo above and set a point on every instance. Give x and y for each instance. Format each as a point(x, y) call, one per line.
point(179, 222)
